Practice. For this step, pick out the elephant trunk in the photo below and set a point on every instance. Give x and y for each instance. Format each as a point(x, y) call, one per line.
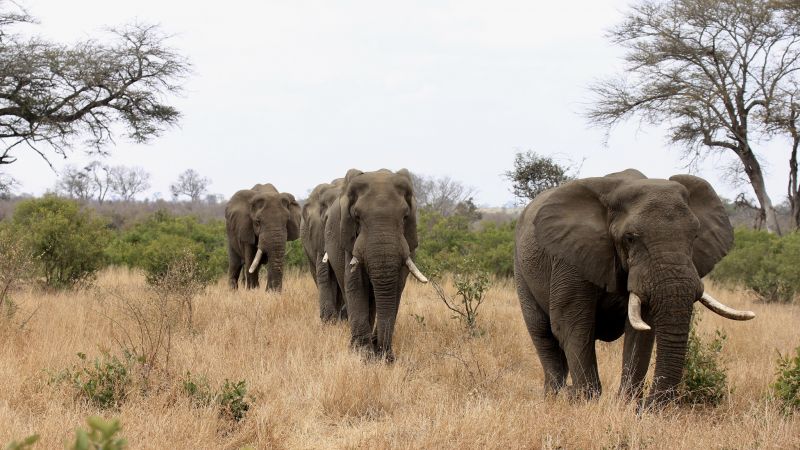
point(672, 316)
point(384, 269)
point(275, 248)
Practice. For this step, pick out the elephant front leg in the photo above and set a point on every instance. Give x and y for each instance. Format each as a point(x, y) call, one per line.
point(636, 354)
point(251, 279)
point(234, 268)
point(358, 310)
point(328, 289)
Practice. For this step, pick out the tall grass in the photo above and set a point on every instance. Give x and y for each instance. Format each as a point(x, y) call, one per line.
point(309, 391)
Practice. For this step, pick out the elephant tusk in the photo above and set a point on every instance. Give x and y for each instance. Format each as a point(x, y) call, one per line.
point(725, 310)
point(256, 260)
point(414, 271)
point(325, 258)
point(635, 313)
point(353, 264)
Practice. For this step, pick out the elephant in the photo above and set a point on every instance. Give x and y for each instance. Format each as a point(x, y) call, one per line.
point(260, 221)
point(312, 233)
point(600, 257)
point(370, 241)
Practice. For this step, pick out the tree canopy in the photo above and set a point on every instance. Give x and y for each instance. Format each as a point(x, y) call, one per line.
point(54, 95)
point(721, 74)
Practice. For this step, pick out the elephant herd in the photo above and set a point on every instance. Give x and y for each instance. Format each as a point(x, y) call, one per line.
point(594, 259)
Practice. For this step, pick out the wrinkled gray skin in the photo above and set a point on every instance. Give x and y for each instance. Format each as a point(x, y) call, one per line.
point(312, 232)
point(377, 223)
point(260, 218)
point(582, 247)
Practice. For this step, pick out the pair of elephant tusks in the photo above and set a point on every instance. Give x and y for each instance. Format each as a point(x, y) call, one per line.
point(635, 311)
point(409, 263)
point(325, 258)
point(414, 271)
point(256, 260)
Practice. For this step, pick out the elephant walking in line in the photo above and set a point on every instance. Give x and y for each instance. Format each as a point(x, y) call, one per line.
point(258, 223)
point(599, 257)
point(315, 216)
point(370, 241)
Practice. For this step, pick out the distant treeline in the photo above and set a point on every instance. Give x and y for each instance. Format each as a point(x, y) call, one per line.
point(73, 240)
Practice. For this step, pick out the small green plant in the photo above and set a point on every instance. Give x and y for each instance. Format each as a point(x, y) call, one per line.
point(471, 285)
point(25, 444)
point(420, 319)
point(105, 382)
point(102, 435)
point(705, 381)
point(786, 388)
point(198, 390)
point(232, 400)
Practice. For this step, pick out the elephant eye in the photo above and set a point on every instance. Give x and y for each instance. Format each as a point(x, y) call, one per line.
point(629, 238)
point(257, 223)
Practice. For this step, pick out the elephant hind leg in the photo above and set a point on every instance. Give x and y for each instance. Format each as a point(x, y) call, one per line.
point(551, 356)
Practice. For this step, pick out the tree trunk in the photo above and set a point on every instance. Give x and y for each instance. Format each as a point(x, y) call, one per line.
point(794, 188)
point(756, 176)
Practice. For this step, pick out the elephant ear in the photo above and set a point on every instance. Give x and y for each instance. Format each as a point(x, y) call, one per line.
point(237, 217)
point(348, 224)
point(410, 227)
point(293, 224)
point(715, 236)
point(572, 225)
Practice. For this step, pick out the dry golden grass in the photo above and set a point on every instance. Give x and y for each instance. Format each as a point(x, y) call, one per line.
point(310, 391)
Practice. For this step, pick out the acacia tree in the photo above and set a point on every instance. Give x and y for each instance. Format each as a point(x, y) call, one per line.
point(191, 184)
point(715, 71)
point(534, 174)
point(52, 94)
point(443, 195)
point(126, 182)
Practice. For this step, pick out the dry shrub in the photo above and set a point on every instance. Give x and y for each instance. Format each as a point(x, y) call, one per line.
point(353, 389)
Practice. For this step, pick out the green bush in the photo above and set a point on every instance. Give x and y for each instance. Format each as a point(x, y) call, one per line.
point(705, 381)
point(102, 435)
point(105, 382)
point(763, 262)
point(231, 399)
point(786, 388)
point(154, 244)
point(66, 241)
point(444, 242)
point(25, 444)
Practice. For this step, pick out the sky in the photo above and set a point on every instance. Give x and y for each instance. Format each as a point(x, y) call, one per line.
point(297, 92)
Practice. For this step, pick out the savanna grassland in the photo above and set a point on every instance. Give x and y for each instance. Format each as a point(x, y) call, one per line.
point(307, 390)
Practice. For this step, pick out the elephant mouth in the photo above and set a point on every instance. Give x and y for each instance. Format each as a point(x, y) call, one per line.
point(635, 310)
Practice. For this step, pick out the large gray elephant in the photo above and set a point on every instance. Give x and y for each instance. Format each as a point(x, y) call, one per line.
point(315, 216)
point(370, 241)
point(258, 222)
point(599, 257)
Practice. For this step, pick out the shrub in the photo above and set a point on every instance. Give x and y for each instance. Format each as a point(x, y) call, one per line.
point(102, 435)
point(104, 383)
point(25, 444)
point(66, 241)
point(763, 262)
point(231, 399)
point(15, 266)
point(705, 381)
point(471, 284)
point(154, 244)
point(786, 388)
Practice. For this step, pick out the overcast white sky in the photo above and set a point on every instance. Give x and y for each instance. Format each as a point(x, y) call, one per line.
point(296, 92)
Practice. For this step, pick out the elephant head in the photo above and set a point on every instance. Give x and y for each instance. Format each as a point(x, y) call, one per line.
point(274, 219)
point(648, 239)
point(379, 233)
